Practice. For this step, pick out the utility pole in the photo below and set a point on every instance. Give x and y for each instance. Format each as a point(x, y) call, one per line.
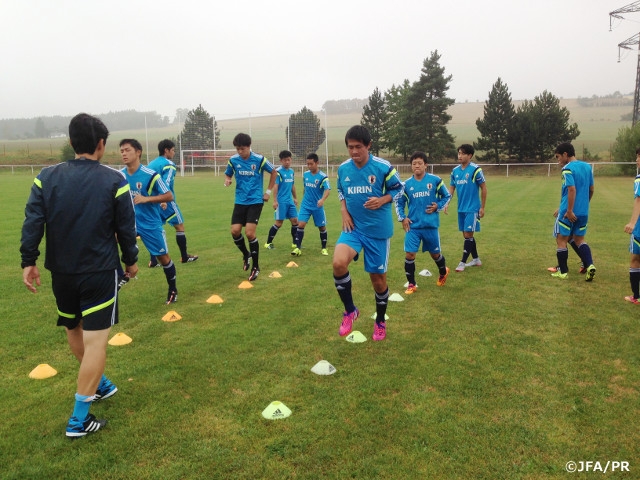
point(634, 40)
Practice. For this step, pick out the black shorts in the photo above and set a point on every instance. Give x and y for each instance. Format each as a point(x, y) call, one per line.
point(87, 297)
point(243, 214)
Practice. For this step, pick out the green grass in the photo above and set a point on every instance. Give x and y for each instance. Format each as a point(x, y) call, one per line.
point(522, 376)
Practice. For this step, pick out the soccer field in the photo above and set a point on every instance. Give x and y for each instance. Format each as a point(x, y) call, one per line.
point(502, 373)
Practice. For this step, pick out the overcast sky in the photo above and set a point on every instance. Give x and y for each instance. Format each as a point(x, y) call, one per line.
point(255, 57)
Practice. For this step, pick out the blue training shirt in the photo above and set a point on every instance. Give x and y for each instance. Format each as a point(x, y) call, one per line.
point(147, 183)
point(576, 174)
point(285, 181)
point(356, 185)
point(167, 170)
point(249, 177)
point(467, 182)
point(314, 188)
point(636, 194)
point(418, 196)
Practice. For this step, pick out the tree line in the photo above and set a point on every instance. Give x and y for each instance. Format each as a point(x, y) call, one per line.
point(58, 125)
point(413, 116)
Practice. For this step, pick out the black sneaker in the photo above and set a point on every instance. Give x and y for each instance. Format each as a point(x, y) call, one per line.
point(122, 281)
point(254, 274)
point(245, 263)
point(90, 425)
point(190, 258)
point(172, 297)
point(108, 389)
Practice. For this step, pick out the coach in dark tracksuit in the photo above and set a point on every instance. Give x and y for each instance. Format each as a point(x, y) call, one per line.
point(86, 210)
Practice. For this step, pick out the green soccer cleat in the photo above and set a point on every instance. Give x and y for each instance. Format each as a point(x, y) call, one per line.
point(591, 272)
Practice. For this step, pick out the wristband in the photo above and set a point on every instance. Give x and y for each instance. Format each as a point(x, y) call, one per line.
point(268, 192)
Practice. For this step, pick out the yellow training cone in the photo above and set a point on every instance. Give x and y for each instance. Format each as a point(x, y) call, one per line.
point(214, 299)
point(356, 337)
point(396, 297)
point(275, 275)
point(42, 371)
point(292, 264)
point(276, 410)
point(323, 368)
point(246, 284)
point(172, 316)
point(120, 339)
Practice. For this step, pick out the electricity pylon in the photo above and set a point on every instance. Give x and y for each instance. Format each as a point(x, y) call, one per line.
point(635, 40)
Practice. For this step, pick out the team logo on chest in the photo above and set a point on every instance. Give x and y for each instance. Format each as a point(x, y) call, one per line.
point(372, 179)
point(138, 185)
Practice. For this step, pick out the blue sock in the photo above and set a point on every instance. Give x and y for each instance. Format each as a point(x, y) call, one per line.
point(81, 408)
point(585, 254)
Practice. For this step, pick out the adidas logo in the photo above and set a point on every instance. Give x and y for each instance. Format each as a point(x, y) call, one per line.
point(277, 413)
point(381, 267)
point(347, 179)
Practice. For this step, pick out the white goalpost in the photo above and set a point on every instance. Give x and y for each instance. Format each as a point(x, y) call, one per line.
point(211, 160)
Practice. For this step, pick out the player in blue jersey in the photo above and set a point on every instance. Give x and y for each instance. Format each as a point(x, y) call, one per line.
point(366, 187)
point(633, 228)
point(285, 199)
point(171, 213)
point(573, 214)
point(86, 211)
point(248, 168)
point(425, 195)
point(316, 192)
point(468, 179)
point(148, 191)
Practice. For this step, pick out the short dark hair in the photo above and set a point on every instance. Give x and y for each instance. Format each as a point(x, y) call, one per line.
point(467, 149)
point(85, 132)
point(284, 154)
point(358, 133)
point(419, 154)
point(242, 140)
point(638, 151)
point(133, 142)
point(314, 157)
point(566, 147)
point(165, 144)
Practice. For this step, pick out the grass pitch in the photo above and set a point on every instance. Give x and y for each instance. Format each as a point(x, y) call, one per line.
point(504, 372)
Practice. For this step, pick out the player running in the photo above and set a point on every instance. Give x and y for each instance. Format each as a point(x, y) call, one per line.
point(164, 166)
point(285, 199)
point(148, 191)
point(316, 192)
point(248, 168)
point(425, 195)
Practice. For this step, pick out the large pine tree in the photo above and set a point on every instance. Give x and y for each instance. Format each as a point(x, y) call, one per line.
point(539, 126)
point(374, 117)
point(200, 131)
point(494, 126)
point(396, 126)
point(304, 133)
point(427, 116)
